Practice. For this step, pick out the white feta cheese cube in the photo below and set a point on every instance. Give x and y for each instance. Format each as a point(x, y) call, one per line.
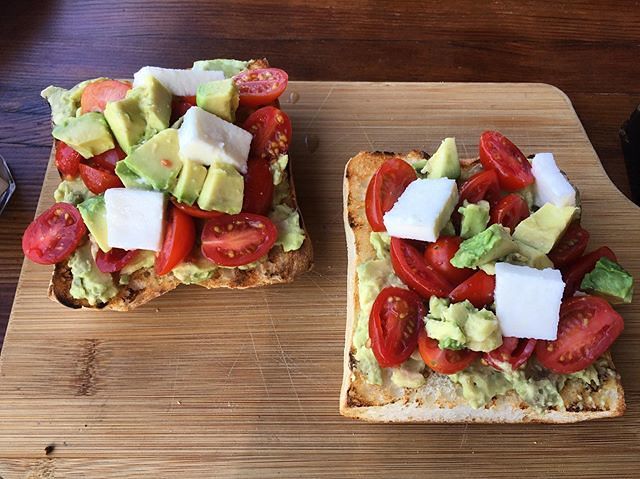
point(178, 82)
point(528, 301)
point(551, 185)
point(135, 218)
point(422, 210)
point(206, 138)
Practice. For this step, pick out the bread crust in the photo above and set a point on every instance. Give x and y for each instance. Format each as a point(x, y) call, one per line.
point(439, 400)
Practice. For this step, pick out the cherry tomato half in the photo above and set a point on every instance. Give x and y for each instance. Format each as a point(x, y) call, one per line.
point(261, 86)
point(114, 260)
point(481, 186)
point(107, 161)
point(444, 361)
point(97, 180)
point(570, 247)
point(179, 106)
point(510, 211)
point(271, 130)
point(439, 256)
point(588, 327)
point(478, 289)
point(194, 211)
point(258, 187)
point(96, 95)
point(67, 160)
point(394, 324)
point(514, 351)
point(385, 187)
point(54, 235)
point(410, 266)
point(179, 238)
point(234, 240)
point(498, 153)
point(575, 272)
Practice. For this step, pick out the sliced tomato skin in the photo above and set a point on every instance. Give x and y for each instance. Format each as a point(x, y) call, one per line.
point(97, 180)
point(67, 160)
point(271, 130)
point(179, 106)
point(261, 86)
point(481, 186)
point(510, 211)
point(385, 187)
point(194, 211)
point(54, 235)
point(179, 238)
point(114, 260)
point(576, 271)
point(394, 325)
point(439, 256)
point(570, 247)
point(236, 240)
point(443, 361)
point(514, 351)
point(96, 95)
point(498, 153)
point(410, 266)
point(258, 187)
point(587, 328)
point(107, 161)
point(478, 289)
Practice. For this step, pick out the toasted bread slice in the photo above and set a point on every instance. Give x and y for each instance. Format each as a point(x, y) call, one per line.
point(440, 400)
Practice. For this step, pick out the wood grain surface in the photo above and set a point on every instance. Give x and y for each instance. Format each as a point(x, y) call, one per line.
point(245, 383)
point(588, 48)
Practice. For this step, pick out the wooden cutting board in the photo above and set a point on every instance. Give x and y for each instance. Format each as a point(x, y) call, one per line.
point(245, 383)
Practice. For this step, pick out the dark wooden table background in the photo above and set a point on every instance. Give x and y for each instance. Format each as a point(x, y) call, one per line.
point(589, 49)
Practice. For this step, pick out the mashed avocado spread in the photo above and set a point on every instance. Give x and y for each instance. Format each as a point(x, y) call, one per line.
point(65, 103)
point(190, 273)
point(88, 281)
point(72, 191)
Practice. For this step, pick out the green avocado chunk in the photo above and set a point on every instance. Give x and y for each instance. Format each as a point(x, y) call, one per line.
point(475, 217)
point(88, 134)
point(190, 182)
point(223, 189)
point(94, 214)
point(143, 259)
point(444, 163)
point(528, 256)
point(155, 102)
point(490, 244)
point(157, 161)
point(219, 97)
point(129, 178)
point(545, 227)
point(229, 67)
point(72, 191)
point(65, 103)
point(127, 122)
point(609, 280)
point(88, 281)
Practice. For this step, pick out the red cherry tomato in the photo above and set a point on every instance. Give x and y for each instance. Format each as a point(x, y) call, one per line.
point(478, 289)
point(96, 95)
point(114, 260)
point(499, 154)
point(107, 161)
point(97, 180)
point(394, 324)
point(180, 105)
point(385, 187)
point(588, 327)
point(575, 272)
point(258, 187)
point(444, 361)
point(244, 112)
point(271, 130)
point(194, 211)
point(54, 235)
point(510, 211)
point(481, 186)
point(261, 86)
point(234, 240)
point(514, 351)
point(439, 256)
point(411, 267)
point(179, 238)
point(67, 160)
point(570, 247)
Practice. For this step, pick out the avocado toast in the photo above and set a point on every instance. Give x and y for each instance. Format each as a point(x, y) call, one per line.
point(171, 180)
point(456, 362)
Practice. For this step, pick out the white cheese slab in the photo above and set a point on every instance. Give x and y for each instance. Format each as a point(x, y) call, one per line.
point(179, 82)
point(551, 186)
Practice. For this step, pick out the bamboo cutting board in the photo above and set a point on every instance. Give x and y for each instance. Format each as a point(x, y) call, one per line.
point(245, 383)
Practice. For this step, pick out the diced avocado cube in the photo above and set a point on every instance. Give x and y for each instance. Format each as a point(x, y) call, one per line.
point(444, 163)
point(545, 227)
point(475, 217)
point(491, 244)
point(129, 178)
point(219, 97)
point(529, 256)
point(229, 67)
point(610, 280)
point(223, 189)
point(88, 134)
point(155, 103)
point(94, 214)
point(127, 122)
point(190, 182)
point(157, 161)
